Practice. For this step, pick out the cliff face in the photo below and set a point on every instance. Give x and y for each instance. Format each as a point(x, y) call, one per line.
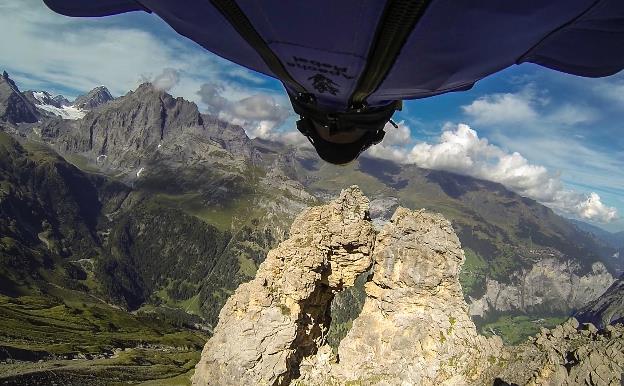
point(607, 309)
point(550, 284)
point(414, 328)
point(14, 107)
point(146, 115)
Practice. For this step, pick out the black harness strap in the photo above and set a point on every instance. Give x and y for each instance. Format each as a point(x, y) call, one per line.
point(397, 22)
point(371, 118)
point(237, 18)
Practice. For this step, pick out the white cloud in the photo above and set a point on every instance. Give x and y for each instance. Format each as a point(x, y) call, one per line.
point(569, 115)
point(394, 143)
point(592, 208)
point(460, 150)
point(294, 138)
point(260, 114)
point(525, 108)
point(400, 135)
point(577, 158)
point(505, 108)
point(611, 89)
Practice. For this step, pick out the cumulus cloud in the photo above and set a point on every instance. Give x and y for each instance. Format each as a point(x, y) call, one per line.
point(393, 146)
point(592, 208)
point(461, 150)
point(259, 114)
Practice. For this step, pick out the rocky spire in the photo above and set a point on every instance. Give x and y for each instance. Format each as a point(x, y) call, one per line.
point(14, 107)
point(414, 327)
point(272, 322)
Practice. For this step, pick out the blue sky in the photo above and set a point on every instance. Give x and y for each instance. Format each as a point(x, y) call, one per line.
point(546, 135)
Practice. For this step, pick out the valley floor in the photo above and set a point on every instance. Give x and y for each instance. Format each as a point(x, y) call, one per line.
point(45, 340)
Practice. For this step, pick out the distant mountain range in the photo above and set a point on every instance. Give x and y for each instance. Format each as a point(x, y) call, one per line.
point(613, 239)
point(151, 203)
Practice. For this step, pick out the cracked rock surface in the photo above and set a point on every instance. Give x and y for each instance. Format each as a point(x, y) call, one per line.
point(270, 323)
point(414, 328)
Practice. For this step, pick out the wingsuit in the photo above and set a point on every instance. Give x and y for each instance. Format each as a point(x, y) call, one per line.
point(348, 64)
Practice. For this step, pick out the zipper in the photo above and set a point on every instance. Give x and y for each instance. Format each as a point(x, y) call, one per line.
point(397, 22)
point(239, 21)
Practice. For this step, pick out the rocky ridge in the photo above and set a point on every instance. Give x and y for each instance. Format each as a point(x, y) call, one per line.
point(414, 328)
point(567, 355)
point(15, 107)
point(606, 309)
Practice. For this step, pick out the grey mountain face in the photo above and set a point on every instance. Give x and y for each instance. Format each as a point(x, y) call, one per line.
point(15, 107)
point(94, 98)
point(553, 285)
point(613, 239)
point(61, 101)
point(607, 309)
point(149, 127)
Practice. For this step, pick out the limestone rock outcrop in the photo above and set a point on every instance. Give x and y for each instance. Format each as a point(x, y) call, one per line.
point(272, 322)
point(414, 328)
point(568, 355)
point(550, 283)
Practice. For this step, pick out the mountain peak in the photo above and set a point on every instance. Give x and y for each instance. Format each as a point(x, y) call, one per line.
point(146, 86)
point(14, 107)
point(6, 79)
point(94, 98)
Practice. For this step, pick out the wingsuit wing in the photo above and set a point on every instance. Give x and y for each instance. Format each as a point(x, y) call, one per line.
point(379, 51)
point(78, 8)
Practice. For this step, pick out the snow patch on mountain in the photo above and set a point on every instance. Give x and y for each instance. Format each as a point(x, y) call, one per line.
point(65, 112)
